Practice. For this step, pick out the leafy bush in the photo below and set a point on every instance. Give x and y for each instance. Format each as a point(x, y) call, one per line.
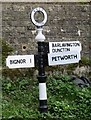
point(65, 100)
point(6, 50)
point(71, 102)
point(85, 61)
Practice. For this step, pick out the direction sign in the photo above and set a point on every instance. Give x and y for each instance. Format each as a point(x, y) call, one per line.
point(20, 61)
point(63, 58)
point(57, 47)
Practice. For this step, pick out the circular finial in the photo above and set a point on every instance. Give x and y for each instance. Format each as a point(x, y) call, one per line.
point(39, 9)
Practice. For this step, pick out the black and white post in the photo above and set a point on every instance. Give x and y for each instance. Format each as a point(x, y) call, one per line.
point(41, 68)
point(41, 59)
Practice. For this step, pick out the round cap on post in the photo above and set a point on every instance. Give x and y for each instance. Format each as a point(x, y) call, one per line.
point(39, 24)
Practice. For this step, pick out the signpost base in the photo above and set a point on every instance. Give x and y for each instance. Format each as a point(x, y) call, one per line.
point(43, 106)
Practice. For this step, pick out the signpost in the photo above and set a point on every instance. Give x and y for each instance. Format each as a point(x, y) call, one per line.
point(58, 47)
point(52, 53)
point(20, 61)
point(41, 59)
point(63, 58)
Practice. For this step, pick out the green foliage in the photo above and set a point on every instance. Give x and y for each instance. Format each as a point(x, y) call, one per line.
point(72, 67)
point(71, 102)
point(65, 100)
point(85, 61)
point(6, 50)
point(19, 98)
point(13, 74)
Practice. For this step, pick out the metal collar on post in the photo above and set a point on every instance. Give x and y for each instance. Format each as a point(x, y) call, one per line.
point(40, 37)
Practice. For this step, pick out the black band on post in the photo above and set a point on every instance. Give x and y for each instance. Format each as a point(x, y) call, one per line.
point(43, 105)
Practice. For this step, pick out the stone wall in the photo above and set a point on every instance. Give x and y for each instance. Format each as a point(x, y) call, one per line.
point(66, 22)
point(45, 1)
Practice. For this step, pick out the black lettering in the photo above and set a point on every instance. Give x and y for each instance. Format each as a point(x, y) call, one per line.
point(24, 60)
point(72, 56)
point(18, 61)
point(30, 61)
point(15, 61)
point(74, 44)
point(66, 57)
point(21, 61)
point(69, 44)
point(68, 49)
point(77, 44)
point(59, 50)
point(58, 57)
point(53, 50)
point(69, 57)
point(54, 59)
point(53, 45)
point(10, 61)
point(62, 58)
point(75, 56)
point(58, 45)
point(63, 44)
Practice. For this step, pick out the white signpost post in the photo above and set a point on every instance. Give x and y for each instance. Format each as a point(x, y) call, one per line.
point(20, 61)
